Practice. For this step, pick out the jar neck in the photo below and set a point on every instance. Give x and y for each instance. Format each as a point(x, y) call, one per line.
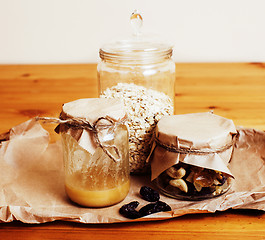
point(135, 58)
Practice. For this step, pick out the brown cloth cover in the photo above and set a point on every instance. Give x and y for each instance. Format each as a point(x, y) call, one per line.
point(205, 132)
point(90, 110)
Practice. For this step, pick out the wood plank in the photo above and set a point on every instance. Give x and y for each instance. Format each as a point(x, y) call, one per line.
point(233, 90)
point(237, 224)
point(31, 90)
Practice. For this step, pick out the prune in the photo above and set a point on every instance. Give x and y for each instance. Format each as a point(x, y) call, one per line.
point(128, 210)
point(149, 194)
point(154, 208)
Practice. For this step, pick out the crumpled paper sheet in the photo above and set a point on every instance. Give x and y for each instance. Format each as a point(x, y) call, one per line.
point(32, 182)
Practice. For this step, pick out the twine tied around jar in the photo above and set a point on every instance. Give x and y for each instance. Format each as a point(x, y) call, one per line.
point(95, 128)
point(172, 148)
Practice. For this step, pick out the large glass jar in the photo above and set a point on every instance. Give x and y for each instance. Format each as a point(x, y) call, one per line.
point(142, 63)
point(95, 146)
point(141, 72)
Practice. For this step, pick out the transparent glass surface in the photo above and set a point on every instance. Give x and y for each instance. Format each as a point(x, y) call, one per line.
point(96, 180)
point(196, 184)
point(158, 75)
point(142, 74)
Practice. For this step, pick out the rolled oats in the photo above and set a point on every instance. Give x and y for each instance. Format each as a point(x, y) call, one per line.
point(144, 108)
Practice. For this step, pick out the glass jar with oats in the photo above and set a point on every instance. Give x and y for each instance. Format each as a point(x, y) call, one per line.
point(95, 146)
point(141, 72)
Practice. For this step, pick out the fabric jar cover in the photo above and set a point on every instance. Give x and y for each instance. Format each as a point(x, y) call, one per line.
point(83, 117)
point(200, 139)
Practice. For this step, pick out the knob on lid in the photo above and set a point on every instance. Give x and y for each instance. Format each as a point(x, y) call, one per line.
point(138, 45)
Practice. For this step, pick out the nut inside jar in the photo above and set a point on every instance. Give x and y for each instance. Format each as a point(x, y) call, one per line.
point(188, 182)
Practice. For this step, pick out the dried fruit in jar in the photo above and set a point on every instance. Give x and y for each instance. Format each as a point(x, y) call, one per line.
point(196, 181)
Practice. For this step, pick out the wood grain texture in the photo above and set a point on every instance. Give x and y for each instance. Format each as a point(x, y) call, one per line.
point(232, 90)
point(32, 90)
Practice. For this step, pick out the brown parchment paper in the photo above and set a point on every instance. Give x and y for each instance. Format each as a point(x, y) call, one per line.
point(32, 181)
point(91, 110)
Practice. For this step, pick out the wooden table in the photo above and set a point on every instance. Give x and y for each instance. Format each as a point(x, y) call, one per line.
point(232, 90)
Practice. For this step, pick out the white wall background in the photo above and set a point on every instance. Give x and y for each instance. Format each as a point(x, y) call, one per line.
point(72, 31)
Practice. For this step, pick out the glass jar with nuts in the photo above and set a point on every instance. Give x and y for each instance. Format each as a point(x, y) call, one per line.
point(188, 182)
point(191, 154)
